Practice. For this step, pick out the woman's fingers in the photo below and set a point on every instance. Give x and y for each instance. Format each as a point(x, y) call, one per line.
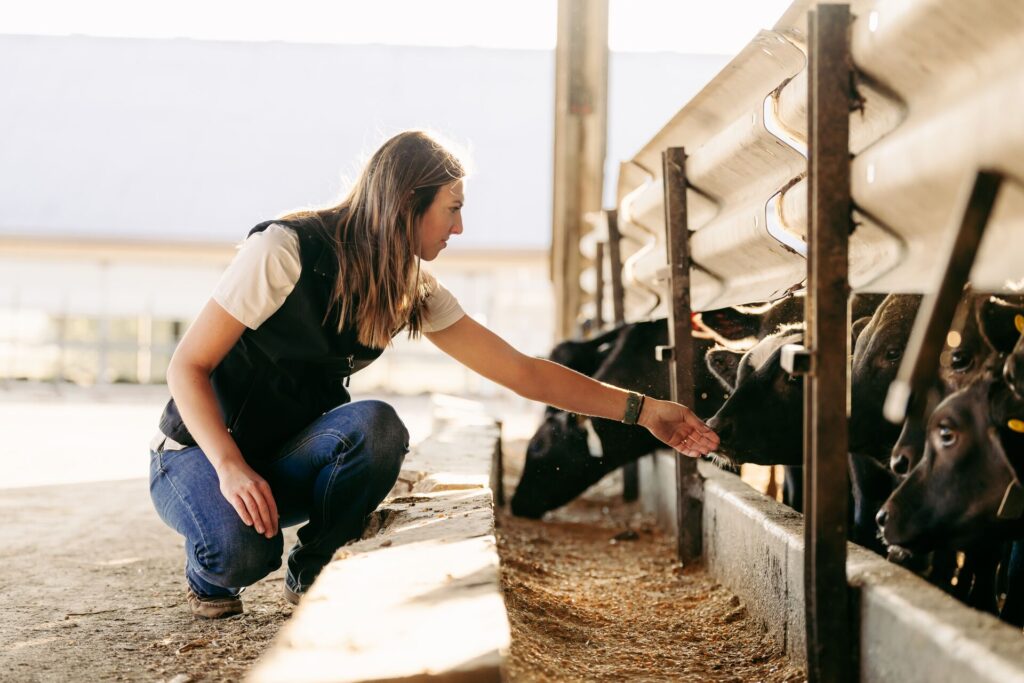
point(238, 503)
point(701, 429)
point(258, 496)
point(692, 443)
point(253, 509)
point(272, 507)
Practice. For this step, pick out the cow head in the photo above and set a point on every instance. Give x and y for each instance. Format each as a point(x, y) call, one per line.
point(556, 457)
point(762, 420)
point(971, 457)
point(877, 352)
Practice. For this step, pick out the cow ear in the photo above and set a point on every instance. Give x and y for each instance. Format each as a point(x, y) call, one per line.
point(723, 364)
point(998, 321)
point(855, 330)
point(730, 323)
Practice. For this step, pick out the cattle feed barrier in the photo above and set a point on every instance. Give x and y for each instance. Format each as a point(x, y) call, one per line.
point(418, 598)
point(909, 630)
point(939, 95)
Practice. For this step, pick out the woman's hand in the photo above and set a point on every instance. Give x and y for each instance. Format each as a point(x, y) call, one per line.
point(250, 495)
point(677, 426)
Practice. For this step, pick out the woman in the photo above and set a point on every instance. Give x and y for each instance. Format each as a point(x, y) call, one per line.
point(260, 433)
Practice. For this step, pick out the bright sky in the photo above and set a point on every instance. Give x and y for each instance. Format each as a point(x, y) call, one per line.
point(690, 26)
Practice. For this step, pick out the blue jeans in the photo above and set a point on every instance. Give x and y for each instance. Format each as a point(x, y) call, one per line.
point(331, 475)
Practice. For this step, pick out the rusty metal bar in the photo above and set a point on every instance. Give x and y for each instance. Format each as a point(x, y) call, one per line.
point(689, 486)
point(630, 471)
point(914, 389)
point(826, 484)
point(615, 264)
point(599, 289)
point(498, 470)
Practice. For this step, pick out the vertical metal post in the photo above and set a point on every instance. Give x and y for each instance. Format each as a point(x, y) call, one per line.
point(689, 486)
point(615, 266)
point(827, 337)
point(599, 289)
point(498, 470)
point(630, 471)
point(581, 105)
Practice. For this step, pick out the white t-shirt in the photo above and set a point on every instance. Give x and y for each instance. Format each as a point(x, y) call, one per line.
point(264, 272)
point(266, 268)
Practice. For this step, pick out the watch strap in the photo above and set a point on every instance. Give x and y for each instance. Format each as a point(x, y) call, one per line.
point(634, 404)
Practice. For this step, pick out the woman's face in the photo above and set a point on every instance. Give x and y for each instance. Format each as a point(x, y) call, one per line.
point(442, 219)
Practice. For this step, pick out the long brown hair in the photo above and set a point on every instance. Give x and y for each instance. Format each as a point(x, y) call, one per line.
point(372, 232)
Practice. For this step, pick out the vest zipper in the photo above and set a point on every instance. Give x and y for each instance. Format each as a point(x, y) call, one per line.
point(351, 366)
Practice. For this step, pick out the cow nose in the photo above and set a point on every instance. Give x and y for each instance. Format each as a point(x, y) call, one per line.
point(881, 518)
point(899, 463)
point(722, 428)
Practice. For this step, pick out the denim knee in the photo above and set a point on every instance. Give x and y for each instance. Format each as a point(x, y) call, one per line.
point(238, 556)
point(385, 435)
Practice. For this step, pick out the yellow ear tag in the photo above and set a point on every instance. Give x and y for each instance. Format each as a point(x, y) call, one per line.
point(1016, 425)
point(1018, 322)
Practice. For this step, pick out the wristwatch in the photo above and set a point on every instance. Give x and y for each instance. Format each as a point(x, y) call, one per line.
point(634, 404)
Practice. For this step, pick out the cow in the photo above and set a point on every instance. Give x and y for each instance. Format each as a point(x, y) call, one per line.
point(966, 485)
point(762, 421)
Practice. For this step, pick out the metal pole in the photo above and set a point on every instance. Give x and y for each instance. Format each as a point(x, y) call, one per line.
point(581, 104)
point(630, 471)
point(615, 264)
point(826, 592)
point(689, 486)
point(599, 289)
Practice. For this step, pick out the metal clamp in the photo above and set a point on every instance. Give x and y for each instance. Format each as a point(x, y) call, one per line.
point(797, 359)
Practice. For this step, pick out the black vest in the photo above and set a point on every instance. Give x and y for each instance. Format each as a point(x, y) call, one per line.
point(280, 377)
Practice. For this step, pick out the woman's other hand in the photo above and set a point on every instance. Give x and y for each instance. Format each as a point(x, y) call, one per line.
point(250, 495)
point(677, 426)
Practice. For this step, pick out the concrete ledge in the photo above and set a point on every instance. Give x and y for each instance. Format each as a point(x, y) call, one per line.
point(908, 629)
point(418, 598)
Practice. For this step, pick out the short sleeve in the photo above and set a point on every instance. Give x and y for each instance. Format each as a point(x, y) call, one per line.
point(443, 309)
point(261, 276)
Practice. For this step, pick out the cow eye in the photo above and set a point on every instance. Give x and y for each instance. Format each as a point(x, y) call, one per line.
point(893, 353)
point(947, 436)
point(959, 359)
point(794, 379)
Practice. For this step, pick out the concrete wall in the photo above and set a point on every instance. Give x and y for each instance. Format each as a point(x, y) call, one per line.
point(908, 629)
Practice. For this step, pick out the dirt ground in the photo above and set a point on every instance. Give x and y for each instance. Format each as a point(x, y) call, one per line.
point(594, 594)
point(91, 590)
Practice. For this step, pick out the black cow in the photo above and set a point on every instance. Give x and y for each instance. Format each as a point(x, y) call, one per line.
point(762, 421)
point(972, 460)
point(988, 328)
point(559, 464)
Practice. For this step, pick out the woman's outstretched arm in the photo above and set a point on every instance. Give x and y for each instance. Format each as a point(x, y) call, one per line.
point(481, 350)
